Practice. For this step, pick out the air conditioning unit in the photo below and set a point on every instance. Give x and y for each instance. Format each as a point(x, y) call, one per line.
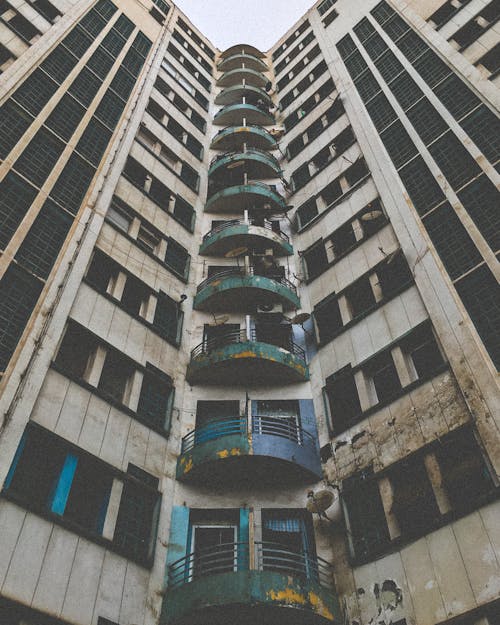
point(270, 309)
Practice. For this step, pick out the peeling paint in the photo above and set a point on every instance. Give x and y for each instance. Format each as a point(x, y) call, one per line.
point(319, 606)
point(188, 466)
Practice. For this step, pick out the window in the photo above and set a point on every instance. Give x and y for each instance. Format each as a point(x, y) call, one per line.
point(42, 244)
point(148, 240)
point(14, 122)
point(35, 91)
point(424, 191)
point(328, 318)
point(454, 160)
point(481, 199)
point(94, 141)
point(16, 196)
point(423, 352)
point(456, 96)
point(483, 127)
point(135, 296)
point(451, 240)
point(65, 117)
point(343, 399)
point(325, 5)
point(93, 23)
point(342, 240)
point(116, 376)
point(110, 109)
point(19, 293)
point(398, 144)
point(119, 214)
point(177, 258)
point(59, 63)
point(73, 183)
point(135, 531)
point(51, 477)
point(394, 274)
point(405, 90)
point(356, 172)
point(184, 213)
point(123, 82)
point(381, 112)
point(168, 318)
point(315, 260)
point(39, 157)
point(85, 86)
point(360, 296)
point(384, 376)
point(491, 61)
point(465, 474)
point(102, 270)
point(426, 121)
point(75, 351)
point(446, 11)
point(366, 520)
point(332, 192)
point(414, 503)
point(155, 401)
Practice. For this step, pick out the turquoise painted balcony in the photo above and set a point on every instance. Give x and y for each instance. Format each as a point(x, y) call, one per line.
point(244, 360)
point(234, 94)
point(254, 195)
point(242, 59)
point(260, 583)
point(241, 451)
point(242, 48)
point(242, 113)
point(256, 163)
point(255, 234)
point(236, 289)
point(234, 137)
point(241, 75)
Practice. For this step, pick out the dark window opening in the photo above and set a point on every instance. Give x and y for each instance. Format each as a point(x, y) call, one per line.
point(75, 351)
point(155, 398)
point(168, 318)
point(422, 349)
point(384, 376)
point(116, 376)
point(343, 399)
point(315, 260)
point(342, 240)
point(101, 271)
point(393, 274)
point(360, 296)
point(135, 296)
point(328, 318)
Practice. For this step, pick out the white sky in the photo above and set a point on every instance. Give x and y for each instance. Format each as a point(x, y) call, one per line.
point(257, 22)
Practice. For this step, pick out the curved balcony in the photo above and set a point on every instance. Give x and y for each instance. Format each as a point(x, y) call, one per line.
point(243, 112)
point(255, 234)
point(241, 59)
point(244, 75)
point(264, 582)
point(234, 94)
point(256, 163)
point(235, 290)
point(242, 48)
point(234, 137)
point(240, 197)
point(241, 450)
point(236, 358)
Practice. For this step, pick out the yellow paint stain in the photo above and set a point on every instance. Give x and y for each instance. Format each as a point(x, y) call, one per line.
point(189, 465)
point(247, 354)
point(235, 451)
point(288, 596)
point(319, 607)
point(224, 453)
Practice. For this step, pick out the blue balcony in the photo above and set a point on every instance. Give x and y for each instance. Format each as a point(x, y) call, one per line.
point(241, 75)
point(264, 583)
point(239, 113)
point(254, 195)
point(255, 234)
point(238, 290)
point(240, 359)
point(241, 450)
point(256, 163)
point(233, 138)
point(241, 59)
point(234, 94)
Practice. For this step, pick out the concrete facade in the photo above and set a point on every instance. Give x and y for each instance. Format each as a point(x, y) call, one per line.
point(184, 337)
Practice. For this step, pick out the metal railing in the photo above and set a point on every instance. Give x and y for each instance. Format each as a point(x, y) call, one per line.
point(240, 336)
point(243, 272)
point(263, 223)
point(227, 129)
point(242, 154)
point(259, 556)
point(282, 427)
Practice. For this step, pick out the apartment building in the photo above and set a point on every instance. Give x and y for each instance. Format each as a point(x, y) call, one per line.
point(249, 314)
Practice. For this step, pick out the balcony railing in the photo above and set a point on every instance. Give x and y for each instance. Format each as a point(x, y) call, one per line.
point(242, 154)
point(263, 223)
point(282, 427)
point(240, 336)
point(260, 556)
point(243, 272)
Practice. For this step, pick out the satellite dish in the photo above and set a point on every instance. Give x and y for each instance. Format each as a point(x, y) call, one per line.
point(238, 251)
point(318, 502)
point(371, 215)
point(219, 321)
point(300, 318)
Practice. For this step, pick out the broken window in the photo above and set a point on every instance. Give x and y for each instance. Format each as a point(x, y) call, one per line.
point(384, 376)
point(168, 318)
point(343, 399)
point(116, 376)
point(101, 271)
point(414, 503)
point(360, 296)
point(464, 470)
point(422, 349)
point(328, 318)
point(147, 239)
point(365, 515)
point(177, 258)
point(135, 296)
point(356, 172)
point(75, 351)
point(155, 401)
point(315, 260)
point(332, 192)
point(306, 213)
point(393, 274)
point(372, 218)
point(119, 214)
point(342, 240)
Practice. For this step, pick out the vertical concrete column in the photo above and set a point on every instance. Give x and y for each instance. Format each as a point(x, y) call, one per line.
point(150, 308)
point(358, 229)
point(116, 289)
point(365, 396)
point(94, 367)
point(436, 479)
point(108, 530)
point(134, 227)
point(162, 249)
point(133, 391)
point(401, 364)
point(376, 288)
point(345, 311)
point(387, 496)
